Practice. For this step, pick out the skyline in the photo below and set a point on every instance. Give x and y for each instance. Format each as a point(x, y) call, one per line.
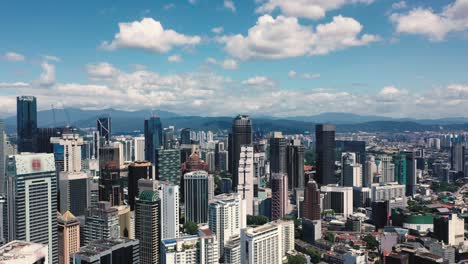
point(369, 57)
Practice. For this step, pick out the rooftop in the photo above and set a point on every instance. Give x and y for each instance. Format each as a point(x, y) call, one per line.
point(22, 250)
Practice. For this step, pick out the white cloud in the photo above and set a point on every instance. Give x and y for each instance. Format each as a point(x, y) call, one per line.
point(47, 77)
point(174, 58)
point(435, 26)
point(229, 4)
point(312, 9)
point(13, 56)
point(51, 58)
point(227, 64)
point(13, 85)
point(292, 74)
point(310, 75)
point(101, 70)
point(217, 30)
point(259, 81)
point(149, 34)
point(284, 37)
point(399, 5)
point(169, 6)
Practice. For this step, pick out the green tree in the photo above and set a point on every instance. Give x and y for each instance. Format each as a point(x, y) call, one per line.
point(191, 228)
point(298, 259)
point(309, 156)
point(257, 220)
point(371, 242)
point(314, 255)
point(329, 237)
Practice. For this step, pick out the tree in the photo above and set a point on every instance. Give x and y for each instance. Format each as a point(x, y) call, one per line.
point(329, 237)
point(309, 156)
point(298, 259)
point(191, 228)
point(257, 220)
point(314, 255)
point(371, 242)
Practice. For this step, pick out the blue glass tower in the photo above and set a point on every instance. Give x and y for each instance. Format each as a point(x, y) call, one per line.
point(26, 121)
point(153, 138)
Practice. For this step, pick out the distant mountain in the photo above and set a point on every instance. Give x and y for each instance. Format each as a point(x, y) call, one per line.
point(339, 118)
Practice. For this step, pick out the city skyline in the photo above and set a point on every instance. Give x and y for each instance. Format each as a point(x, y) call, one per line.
point(372, 57)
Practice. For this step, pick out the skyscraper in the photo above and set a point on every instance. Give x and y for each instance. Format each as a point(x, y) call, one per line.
point(338, 198)
point(279, 195)
point(196, 196)
point(32, 200)
point(277, 153)
point(147, 226)
point(411, 178)
point(104, 127)
point(43, 138)
point(67, 151)
point(351, 171)
point(169, 195)
point(68, 236)
point(457, 155)
point(110, 188)
point(312, 201)
point(295, 165)
point(136, 171)
point(185, 136)
point(153, 138)
point(168, 167)
point(241, 135)
point(325, 150)
point(246, 177)
point(399, 160)
point(139, 148)
point(74, 192)
point(26, 117)
point(387, 168)
point(101, 222)
point(120, 250)
point(2, 157)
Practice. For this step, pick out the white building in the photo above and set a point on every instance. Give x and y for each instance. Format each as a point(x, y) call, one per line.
point(232, 251)
point(71, 144)
point(456, 230)
point(268, 243)
point(351, 170)
point(387, 168)
point(18, 252)
point(338, 198)
point(246, 177)
point(169, 195)
point(139, 148)
point(226, 217)
point(387, 191)
point(355, 257)
point(208, 247)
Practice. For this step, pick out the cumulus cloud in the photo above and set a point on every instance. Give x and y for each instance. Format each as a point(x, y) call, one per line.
point(229, 5)
point(310, 75)
point(13, 85)
point(174, 58)
point(47, 77)
point(311, 9)
point(259, 81)
point(399, 5)
point(292, 74)
point(51, 58)
point(13, 56)
point(227, 64)
point(101, 70)
point(434, 25)
point(148, 34)
point(217, 30)
point(284, 37)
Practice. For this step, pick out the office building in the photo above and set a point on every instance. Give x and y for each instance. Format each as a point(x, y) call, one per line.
point(279, 197)
point(185, 138)
point(311, 230)
point(411, 177)
point(457, 155)
point(168, 167)
point(67, 151)
point(109, 154)
point(101, 222)
point(312, 201)
point(295, 165)
point(109, 251)
point(245, 178)
point(138, 148)
point(357, 147)
point(26, 117)
point(338, 198)
point(136, 171)
point(19, 252)
point(387, 168)
point(325, 153)
point(277, 153)
point(104, 128)
point(43, 138)
point(208, 246)
point(227, 216)
point(389, 191)
point(196, 196)
point(169, 195)
point(181, 250)
point(450, 229)
point(32, 200)
point(232, 251)
point(74, 192)
point(2, 157)
point(147, 226)
point(68, 236)
point(126, 221)
point(351, 171)
point(241, 135)
point(399, 160)
point(380, 213)
point(168, 138)
point(153, 138)
point(110, 188)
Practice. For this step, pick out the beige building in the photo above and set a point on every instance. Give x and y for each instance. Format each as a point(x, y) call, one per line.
point(68, 236)
point(126, 221)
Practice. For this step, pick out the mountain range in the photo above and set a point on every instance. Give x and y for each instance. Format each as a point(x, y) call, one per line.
point(131, 121)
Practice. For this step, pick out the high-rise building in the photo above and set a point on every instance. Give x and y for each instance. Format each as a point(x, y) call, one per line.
point(277, 153)
point(169, 195)
point(110, 188)
point(168, 167)
point(295, 165)
point(325, 151)
point(241, 135)
point(351, 171)
point(232, 251)
point(387, 168)
point(357, 147)
point(312, 201)
point(74, 192)
point(267, 244)
point(139, 148)
point(457, 155)
point(136, 171)
point(104, 128)
point(399, 160)
point(338, 198)
point(43, 138)
point(147, 226)
point(197, 196)
point(126, 221)
point(67, 151)
point(32, 200)
point(101, 222)
point(185, 136)
point(450, 229)
point(153, 138)
point(227, 216)
point(279, 195)
point(245, 178)
point(2, 157)
point(208, 246)
point(109, 153)
point(380, 213)
point(68, 236)
point(109, 251)
point(387, 191)
point(181, 250)
point(26, 117)
point(411, 178)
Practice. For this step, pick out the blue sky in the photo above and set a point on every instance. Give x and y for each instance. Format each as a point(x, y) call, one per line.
point(222, 57)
